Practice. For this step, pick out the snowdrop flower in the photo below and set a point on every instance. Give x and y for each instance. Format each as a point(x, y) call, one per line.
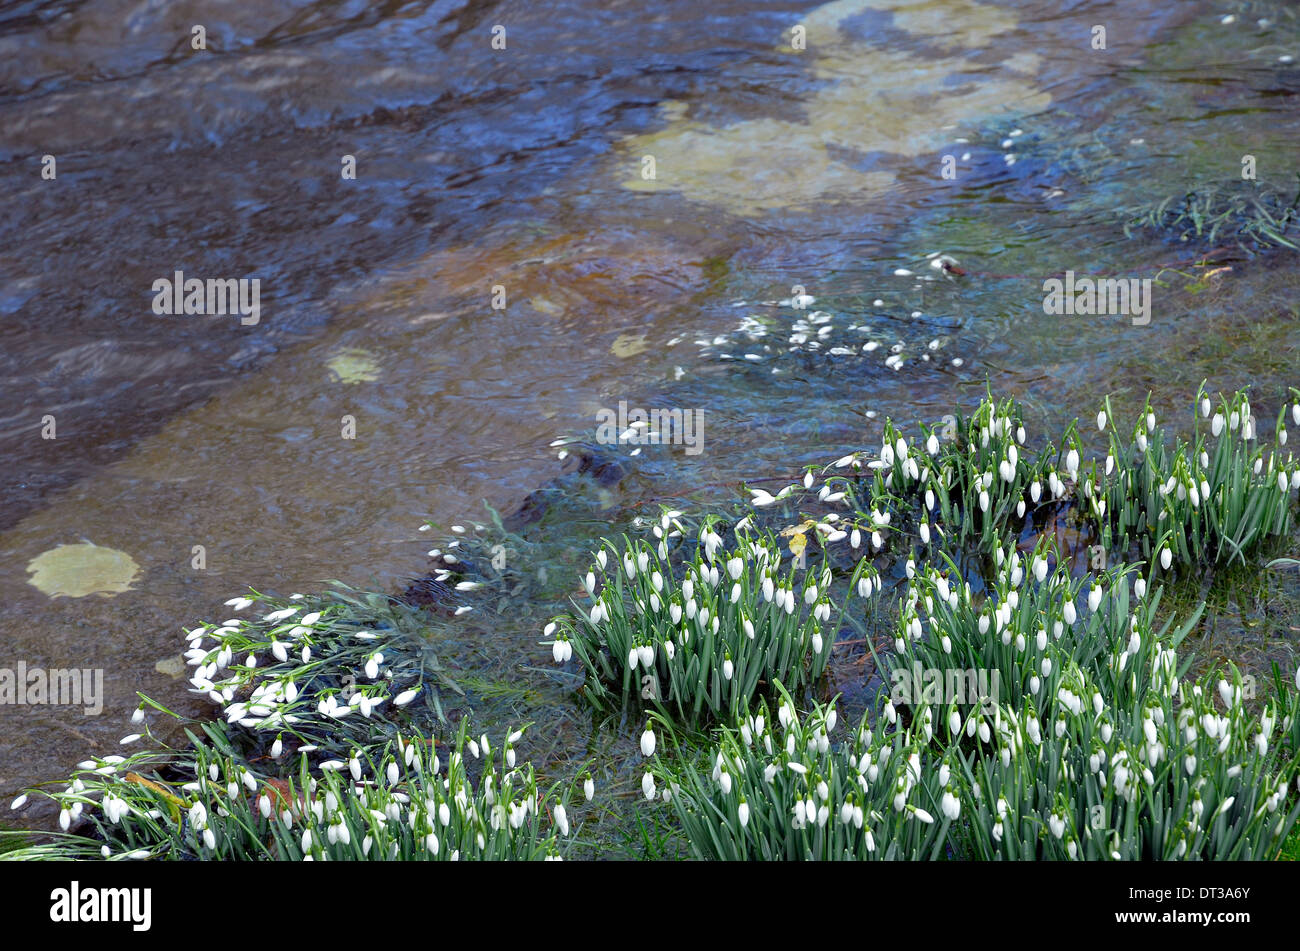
point(1094, 598)
point(1101, 426)
point(1032, 728)
point(648, 785)
point(1072, 462)
point(728, 668)
point(1068, 612)
point(950, 805)
point(1056, 823)
point(1226, 693)
point(648, 742)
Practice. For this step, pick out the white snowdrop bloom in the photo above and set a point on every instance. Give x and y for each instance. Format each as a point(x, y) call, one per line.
point(1216, 424)
point(646, 654)
point(1057, 824)
point(557, 653)
point(1094, 598)
point(728, 668)
point(950, 805)
point(648, 785)
point(1033, 730)
point(1226, 694)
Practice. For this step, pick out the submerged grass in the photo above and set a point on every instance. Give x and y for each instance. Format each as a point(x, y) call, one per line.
point(1253, 215)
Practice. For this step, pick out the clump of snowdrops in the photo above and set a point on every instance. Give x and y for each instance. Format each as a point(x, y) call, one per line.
point(1092, 746)
point(1214, 500)
point(700, 636)
point(399, 802)
point(974, 480)
point(777, 788)
point(320, 671)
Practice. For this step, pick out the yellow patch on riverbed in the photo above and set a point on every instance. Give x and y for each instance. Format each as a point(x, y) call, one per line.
point(952, 22)
point(629, 345)
point(878, 100)
point(354, 365)
point(75, 571)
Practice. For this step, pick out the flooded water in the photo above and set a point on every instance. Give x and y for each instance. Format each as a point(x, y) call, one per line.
point(605, 210)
